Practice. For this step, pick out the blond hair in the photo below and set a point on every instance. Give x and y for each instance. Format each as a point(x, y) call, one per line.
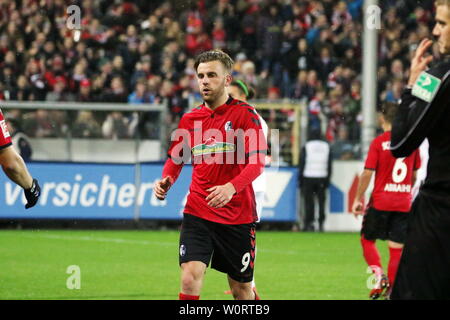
point(442, 3)
point(215, 55)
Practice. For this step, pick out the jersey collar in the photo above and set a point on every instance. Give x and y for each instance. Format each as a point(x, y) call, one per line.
point(223, 106)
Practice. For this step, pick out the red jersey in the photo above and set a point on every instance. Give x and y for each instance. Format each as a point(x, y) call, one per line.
point(224, 145)
point(5, 137)
point(393, 176)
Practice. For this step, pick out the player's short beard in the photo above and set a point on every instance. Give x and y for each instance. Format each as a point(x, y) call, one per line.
point(216, 94)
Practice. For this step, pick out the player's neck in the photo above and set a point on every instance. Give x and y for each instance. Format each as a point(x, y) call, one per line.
point(387, 127)
point(218, 102)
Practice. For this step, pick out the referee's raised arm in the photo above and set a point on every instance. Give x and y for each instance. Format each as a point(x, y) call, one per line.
point(422, 103)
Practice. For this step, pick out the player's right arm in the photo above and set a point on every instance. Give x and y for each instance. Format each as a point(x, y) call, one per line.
point(178, 154)
point(364, 181)
point(16, 170)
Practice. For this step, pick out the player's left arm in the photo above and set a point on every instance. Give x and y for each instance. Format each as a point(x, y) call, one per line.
point(256, 150)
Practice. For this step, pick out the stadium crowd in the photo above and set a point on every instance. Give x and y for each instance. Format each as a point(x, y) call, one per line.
point(143, 52)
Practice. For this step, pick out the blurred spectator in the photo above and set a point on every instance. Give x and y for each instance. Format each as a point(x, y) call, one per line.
point(353, 110)
point(325, 64)
point(19, 139)
point(59, 92)
point(343, 148)
point(167, 69)
point(39, 124)
point(117, 92)
point(22, 92)
point(37, 81)
point(394, 93)
point(315, 111)
point(140, 94)
point(219, 34)
point(270, 36)
point(86, 126)
point(85, 94)
point(116, 126)
point(179, 102)
point(300, 59)
point(300, 88)
point(197, 40)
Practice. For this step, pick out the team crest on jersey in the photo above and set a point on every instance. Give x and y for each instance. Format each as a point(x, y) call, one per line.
point(4, 129)
point(228, 126)
point(182, 250)
point(212, 146)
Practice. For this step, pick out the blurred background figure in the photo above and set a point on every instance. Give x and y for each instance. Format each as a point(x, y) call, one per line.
point(315, 170)
point(116, 126)
point(86, 126)
point(20, 140)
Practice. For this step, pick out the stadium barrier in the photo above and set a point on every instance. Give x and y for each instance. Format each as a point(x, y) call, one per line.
point(124, 191)
point(148, 139)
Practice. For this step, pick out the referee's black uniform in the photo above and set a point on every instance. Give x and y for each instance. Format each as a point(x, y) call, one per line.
point(424, 271)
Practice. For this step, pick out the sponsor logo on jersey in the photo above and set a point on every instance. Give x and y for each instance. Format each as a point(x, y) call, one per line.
point(212, 146)
point(4, 128)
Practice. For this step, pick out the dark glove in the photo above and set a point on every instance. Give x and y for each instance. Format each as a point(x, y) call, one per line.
point(32, 194)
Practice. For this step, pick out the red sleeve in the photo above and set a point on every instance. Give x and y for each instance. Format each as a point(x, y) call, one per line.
point(5, 137)
point(178, 153)
point(179, 150)
point(372, 156)
point(171, 170)
point(255, 151)
point(251, 171)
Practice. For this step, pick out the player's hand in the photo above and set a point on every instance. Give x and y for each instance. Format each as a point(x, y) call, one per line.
point(420, 63)
point(357, 208)
point(220, 195)
point(161, 187)
point(32, 194)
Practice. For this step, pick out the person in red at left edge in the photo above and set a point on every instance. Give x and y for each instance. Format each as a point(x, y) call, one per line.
point(224, 139)
point(15, 168)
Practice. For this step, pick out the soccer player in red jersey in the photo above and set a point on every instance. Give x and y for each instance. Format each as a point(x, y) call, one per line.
point(387, 212)
point(15, 168)
point(224, 140)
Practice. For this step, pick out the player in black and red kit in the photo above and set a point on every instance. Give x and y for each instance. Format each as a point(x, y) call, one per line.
point(424, 112)
point(387, 213)
point(14, 166)
point(224, 140)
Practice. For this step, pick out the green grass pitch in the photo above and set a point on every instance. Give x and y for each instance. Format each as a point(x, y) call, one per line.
point(144, 265)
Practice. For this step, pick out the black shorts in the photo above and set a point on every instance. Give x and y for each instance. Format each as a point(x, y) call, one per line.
point(230, 248)
point(385, 225)
point(423, 273)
